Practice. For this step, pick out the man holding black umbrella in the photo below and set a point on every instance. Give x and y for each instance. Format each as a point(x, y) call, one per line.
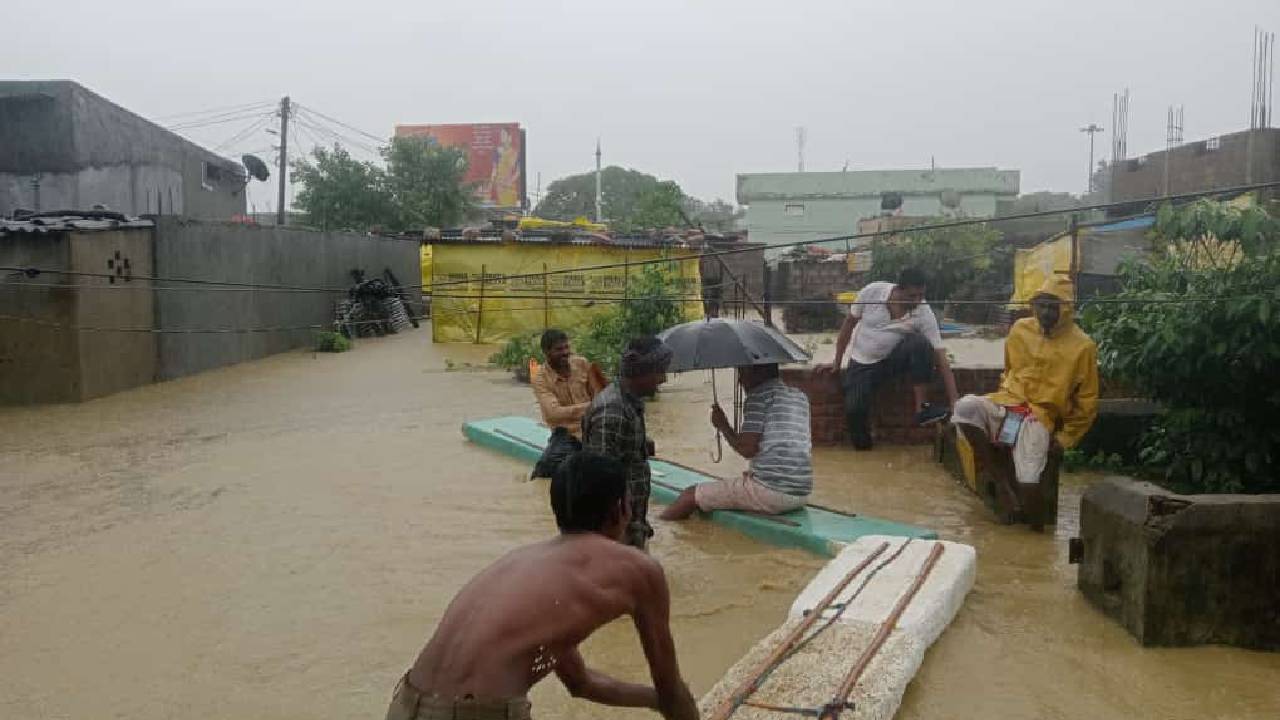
point(774, 437)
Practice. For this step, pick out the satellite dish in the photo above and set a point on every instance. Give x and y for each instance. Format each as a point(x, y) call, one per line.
point(950, 199)
point(257, 169)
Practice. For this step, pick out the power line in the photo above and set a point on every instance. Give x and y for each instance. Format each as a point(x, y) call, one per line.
point(352, 128)
point(315, 125)
point(182, 331)
point(34, 271)
point(964, 222)
point(213, 121)
point(213, 111)
point(244, 133)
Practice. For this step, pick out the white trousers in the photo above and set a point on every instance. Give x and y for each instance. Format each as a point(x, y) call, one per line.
point(1030, 450)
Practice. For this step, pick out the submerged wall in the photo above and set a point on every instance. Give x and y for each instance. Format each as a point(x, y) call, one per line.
point(1182, 569)
point(268, 321)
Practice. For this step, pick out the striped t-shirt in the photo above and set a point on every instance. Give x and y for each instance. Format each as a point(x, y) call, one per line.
point(780, 413)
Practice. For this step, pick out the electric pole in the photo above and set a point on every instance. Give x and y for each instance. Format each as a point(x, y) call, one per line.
point(1092, 129)
point(284, 160)
point(599, 214)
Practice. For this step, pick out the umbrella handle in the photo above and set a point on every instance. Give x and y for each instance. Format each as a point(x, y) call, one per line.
point(718, 455)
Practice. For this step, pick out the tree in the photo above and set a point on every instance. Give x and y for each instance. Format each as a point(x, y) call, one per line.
point(716, 216)
point(339, 192)
point(1200, 333)
point(960, 262)
point(660, 206)
point(426, 183)
point(651, 306)
point(620, 193)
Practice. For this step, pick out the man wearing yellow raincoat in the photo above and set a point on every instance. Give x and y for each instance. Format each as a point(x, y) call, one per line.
point(1048, 399)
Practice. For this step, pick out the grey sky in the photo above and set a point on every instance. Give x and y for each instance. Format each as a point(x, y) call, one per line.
point(692, 91)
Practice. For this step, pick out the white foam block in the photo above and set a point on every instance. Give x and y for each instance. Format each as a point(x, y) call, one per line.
point(933, 606)
point(810, 677)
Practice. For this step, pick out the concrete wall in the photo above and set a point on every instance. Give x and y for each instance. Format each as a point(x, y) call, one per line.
point(262, 255)
point(38, 363)
point(82, 149)
point(1240, 158)
point(42, 358)
point(1183, 569)
point(118, 360)
point(748, 267)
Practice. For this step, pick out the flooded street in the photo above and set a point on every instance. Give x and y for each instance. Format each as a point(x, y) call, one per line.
point(278, 539)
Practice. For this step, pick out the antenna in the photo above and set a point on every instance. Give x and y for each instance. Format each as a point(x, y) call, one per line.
point(801, 135)
point(1119, 127)
point(599, 214)
point(1092, 129)
point(1172, 139)
point(1264, 58)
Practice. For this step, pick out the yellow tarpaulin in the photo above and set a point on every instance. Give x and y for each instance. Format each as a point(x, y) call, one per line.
point(465, 308)
point(1032, 267)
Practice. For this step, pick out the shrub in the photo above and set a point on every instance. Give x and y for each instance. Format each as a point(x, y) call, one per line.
point(516, 352)
point(1202, 336)
point(333, 342)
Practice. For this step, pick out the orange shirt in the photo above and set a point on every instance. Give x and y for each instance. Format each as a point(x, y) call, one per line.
point(564, 400)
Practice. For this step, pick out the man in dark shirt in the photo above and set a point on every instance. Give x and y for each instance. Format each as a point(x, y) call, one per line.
point(614, 425)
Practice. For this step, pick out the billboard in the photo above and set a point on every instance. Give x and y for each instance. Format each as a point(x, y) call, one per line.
point(495, 157)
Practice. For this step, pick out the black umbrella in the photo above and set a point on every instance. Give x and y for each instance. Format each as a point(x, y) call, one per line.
point(719, 343)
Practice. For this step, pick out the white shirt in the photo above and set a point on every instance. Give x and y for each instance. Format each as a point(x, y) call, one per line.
point(877, 334)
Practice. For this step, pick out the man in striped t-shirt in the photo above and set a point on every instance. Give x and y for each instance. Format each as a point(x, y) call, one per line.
point(774, 437)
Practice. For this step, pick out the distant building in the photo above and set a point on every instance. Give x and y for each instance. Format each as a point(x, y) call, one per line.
point(802, 206)
point(1241, 158)
point(63, 147)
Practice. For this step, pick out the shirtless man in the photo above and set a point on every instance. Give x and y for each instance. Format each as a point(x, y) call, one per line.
point(523, 617)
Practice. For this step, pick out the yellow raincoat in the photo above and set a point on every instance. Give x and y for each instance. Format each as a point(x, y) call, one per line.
point(1057, 376)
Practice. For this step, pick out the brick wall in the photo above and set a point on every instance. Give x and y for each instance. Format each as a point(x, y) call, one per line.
point(893, 410)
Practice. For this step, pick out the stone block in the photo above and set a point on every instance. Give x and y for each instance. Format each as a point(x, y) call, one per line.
point(1182, 569)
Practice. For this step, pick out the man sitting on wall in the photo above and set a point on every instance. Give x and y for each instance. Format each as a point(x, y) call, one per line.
point(893, 332)
point(1048, 399)
point(564, 388)
point(774, 437)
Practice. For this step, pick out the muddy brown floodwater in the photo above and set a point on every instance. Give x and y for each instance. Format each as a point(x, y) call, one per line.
point(277, 539)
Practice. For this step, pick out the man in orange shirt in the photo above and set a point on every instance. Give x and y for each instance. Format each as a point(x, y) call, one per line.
point(564, 388)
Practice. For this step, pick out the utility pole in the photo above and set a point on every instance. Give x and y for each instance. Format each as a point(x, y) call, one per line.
point(1092, 129)
point(801, 135)
point(284, 160)
point(599, 214)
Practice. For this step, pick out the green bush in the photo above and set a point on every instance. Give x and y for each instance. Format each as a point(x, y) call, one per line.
point(1203, 337)
point(334, 342)
point(652, 306)
point(517, 351)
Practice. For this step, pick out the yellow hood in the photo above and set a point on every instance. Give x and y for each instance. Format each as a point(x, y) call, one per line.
point(1064, 290)
point(1056, 375)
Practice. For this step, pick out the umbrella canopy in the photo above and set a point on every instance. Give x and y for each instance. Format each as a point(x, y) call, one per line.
point(719, 343)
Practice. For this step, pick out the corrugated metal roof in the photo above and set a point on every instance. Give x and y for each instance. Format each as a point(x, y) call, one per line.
point(64, 223)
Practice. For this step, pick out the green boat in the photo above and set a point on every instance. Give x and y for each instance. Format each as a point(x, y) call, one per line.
point(816, 529)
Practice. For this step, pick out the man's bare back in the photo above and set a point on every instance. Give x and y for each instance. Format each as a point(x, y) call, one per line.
point(505, 629)
point(523, 617)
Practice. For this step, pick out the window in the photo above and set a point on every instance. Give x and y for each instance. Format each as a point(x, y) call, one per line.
point(211, 176)
point(1213, 143)
point(793, 210)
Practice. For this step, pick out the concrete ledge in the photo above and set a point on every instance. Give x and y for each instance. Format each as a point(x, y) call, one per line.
point(1183, 569)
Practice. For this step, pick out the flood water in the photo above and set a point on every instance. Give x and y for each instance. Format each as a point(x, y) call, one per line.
point(277, 540)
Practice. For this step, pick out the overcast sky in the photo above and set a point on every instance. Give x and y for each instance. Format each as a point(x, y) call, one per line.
point(691, 91)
